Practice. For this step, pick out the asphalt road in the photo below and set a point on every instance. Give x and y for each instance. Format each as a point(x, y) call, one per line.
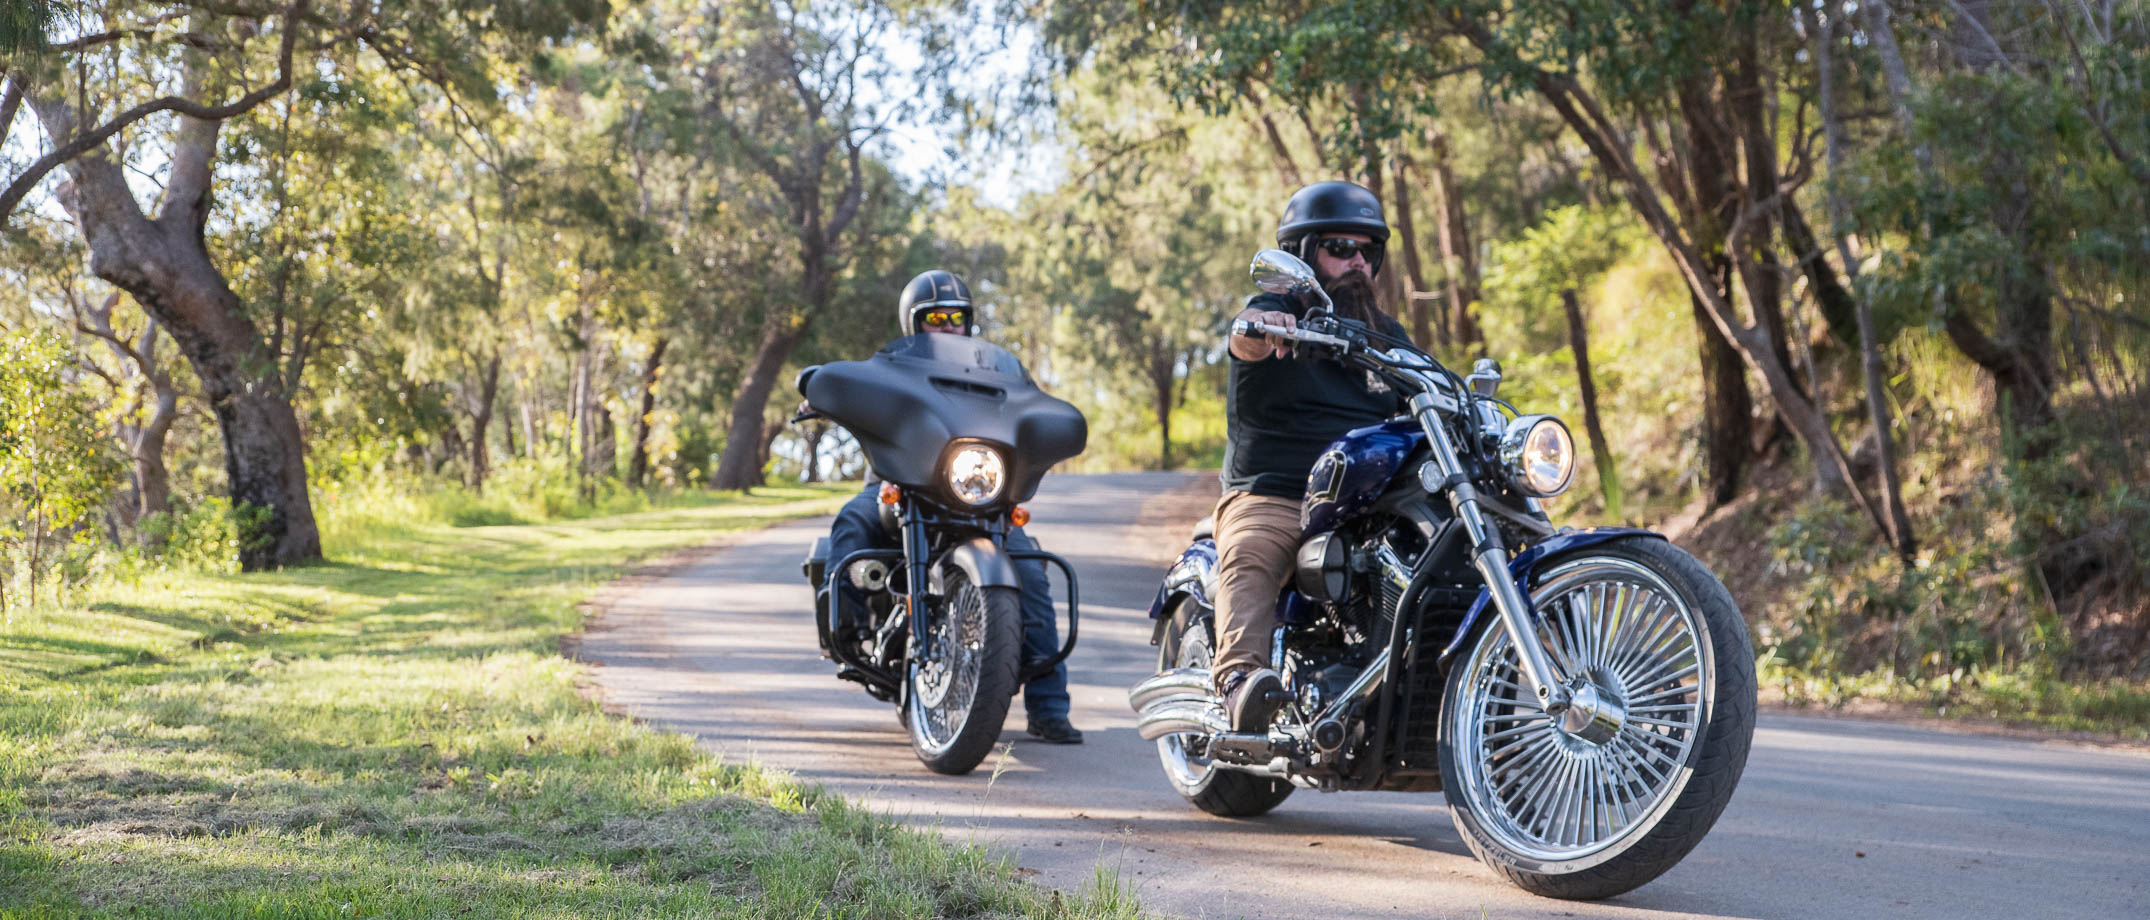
point(1833, 819)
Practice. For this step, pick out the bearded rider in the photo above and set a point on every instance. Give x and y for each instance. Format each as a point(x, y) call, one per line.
point(939, 302)
point(1280, 413)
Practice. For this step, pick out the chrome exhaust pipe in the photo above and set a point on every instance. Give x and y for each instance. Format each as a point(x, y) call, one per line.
point(1174, 686)
point(1183, 717)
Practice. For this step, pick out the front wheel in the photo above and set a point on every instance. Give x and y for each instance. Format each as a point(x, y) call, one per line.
point(1613, 792)
point(963, 675)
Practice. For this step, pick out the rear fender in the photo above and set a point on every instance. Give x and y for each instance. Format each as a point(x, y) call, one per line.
point(1191, 575)
point(1527, 562)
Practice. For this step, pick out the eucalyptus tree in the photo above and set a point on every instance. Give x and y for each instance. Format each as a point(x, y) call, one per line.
point(800, 94)
point(178, 54)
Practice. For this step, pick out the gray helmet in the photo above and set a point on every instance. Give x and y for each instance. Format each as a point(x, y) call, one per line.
point(1330, 207)
point(930, 289)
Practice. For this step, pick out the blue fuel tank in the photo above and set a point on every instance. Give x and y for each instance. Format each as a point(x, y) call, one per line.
point(1354, 471)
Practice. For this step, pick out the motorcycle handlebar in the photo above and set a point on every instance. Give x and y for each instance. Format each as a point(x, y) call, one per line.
point(1250, 329)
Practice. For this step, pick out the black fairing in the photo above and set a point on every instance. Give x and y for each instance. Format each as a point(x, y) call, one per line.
point(921, 392)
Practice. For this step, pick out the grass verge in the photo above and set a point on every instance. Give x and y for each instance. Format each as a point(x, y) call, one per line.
point(393, 735)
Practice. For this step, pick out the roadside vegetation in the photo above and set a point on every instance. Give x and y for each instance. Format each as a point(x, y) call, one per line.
point(394, 733)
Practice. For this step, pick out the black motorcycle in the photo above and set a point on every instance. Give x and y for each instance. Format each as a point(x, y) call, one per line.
point(1586, 704)
point(959, 435)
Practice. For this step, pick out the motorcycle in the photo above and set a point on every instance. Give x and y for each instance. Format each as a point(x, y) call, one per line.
point(1585, 704)
point(960, 436)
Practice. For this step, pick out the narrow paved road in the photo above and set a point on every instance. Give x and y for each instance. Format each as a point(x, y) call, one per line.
point(1833, 819)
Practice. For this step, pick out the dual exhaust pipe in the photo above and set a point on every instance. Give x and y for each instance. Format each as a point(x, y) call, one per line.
point(1183, 700)
point(1178, 701)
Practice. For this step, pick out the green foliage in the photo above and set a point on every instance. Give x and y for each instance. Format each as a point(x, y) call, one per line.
point(1570, 248)
point(56, 464)
point(199, 537)
point(23, 24)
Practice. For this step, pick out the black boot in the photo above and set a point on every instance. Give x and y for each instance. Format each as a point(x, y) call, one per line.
point(1251, 695)
point(1055, 730)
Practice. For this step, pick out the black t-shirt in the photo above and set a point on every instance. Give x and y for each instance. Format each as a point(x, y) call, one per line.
point(1281, 413)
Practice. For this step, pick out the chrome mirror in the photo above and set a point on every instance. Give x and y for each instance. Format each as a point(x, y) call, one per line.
point(1280, 272)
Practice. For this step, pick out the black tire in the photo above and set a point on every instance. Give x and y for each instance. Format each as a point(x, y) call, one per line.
point(1225, 793)
point(1671, 814)
point(997, 655)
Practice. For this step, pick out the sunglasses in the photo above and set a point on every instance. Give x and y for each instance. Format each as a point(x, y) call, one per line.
point(1341, 248)
point(945, 318)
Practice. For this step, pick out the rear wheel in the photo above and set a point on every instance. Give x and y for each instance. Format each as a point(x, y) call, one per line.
point(963, 675)
point(1616, 790)
point(1228, 793)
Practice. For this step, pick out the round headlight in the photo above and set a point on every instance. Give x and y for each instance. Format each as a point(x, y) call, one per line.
point(977, 475)
point(1540, 455)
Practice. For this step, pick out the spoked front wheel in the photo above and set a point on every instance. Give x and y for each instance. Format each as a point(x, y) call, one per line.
point(1617, 789)
point(963, 675)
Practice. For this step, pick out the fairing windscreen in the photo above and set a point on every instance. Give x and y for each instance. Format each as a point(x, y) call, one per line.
point(908, 402)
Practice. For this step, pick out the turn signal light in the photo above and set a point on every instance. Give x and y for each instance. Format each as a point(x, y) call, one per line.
point(890, 494)
point(1020, 517)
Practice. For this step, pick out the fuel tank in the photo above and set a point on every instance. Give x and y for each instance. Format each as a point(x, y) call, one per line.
point(1354, 471)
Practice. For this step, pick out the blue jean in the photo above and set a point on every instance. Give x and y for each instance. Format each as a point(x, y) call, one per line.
point(858, 526)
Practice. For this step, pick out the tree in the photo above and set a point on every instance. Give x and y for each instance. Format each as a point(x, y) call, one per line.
point(164, 261)
point(788, 89)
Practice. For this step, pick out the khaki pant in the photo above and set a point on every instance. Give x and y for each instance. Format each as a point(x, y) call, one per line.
point(1257, 540)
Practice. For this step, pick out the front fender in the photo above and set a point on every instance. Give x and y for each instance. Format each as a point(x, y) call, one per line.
point(1527, 561)
point(985, 564)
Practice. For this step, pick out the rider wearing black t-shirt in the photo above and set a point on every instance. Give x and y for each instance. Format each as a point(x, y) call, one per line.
point(1280, 413)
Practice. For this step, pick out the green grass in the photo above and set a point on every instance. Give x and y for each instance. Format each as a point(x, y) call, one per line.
point(2020, 698)
point(394, 734)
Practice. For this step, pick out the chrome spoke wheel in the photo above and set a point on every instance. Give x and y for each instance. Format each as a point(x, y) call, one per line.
point(944, 673)
point(1186, 769)
point(1637, 662)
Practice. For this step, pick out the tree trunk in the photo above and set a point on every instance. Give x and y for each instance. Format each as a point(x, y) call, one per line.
point(1458, 257)
point(152, 479)
point(1162, 357)
point(1422, 330)
point(1822, 44)
point(1761, 273)
point(1600, 450)
point(1389, 292)
point(481, 419)
point(1714, 194)
point(507, 433)
point(1830, 296)
point(638, 465)
point(1287, 167)
point(738, 467)
point(164, 263)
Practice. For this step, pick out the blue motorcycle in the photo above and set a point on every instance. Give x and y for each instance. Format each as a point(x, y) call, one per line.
point(1585, 699)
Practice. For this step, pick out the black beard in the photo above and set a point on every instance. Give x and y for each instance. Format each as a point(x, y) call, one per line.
point(1353, 295)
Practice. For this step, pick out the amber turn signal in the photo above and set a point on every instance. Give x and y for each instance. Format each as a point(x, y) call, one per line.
point(890, 494)
point(1019, 517)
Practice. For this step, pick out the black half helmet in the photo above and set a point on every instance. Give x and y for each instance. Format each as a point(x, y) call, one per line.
point(930, 289)
point(1330, 207)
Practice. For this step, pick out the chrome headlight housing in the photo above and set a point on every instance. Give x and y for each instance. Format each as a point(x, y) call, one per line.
point(976, 475)
point(1539, 454)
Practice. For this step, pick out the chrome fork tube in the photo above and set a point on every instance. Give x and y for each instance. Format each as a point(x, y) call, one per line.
point(1489, 557)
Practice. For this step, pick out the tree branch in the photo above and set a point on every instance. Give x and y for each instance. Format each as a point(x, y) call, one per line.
point(85, 142)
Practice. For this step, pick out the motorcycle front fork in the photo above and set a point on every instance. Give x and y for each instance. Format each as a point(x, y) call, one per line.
point(1490, 558)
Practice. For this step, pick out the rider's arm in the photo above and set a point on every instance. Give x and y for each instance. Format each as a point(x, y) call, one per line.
point(1257, 348)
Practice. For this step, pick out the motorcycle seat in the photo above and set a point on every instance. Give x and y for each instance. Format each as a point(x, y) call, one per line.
point(1206, 528)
